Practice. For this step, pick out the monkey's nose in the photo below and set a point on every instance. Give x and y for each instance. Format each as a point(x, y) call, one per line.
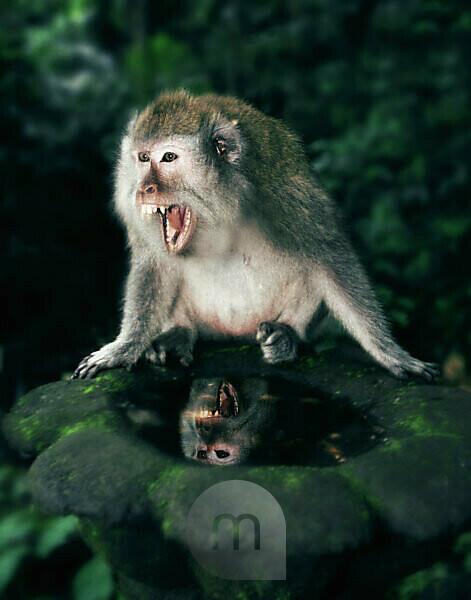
point(148, 188)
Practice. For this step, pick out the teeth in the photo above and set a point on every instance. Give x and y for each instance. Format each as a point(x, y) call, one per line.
point(148, 209)
point(169, 232)
point(206, 412)
point(172, 236)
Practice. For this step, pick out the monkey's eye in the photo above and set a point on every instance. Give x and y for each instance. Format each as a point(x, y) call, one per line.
point(202, 454)
point(222, 454)
point(143, 157)
point(169, 157)
point(220, 145)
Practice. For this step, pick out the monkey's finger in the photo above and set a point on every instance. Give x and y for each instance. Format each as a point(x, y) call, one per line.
point(264, 330)
point(425, 374)
point(431, 371)
point(89, 367)
point(427, 371)
point(433, 367)
point(273, 338)
point(94, 369)
point(82, 365)
point(152, 356)
point(87, 358)
point(85, 365)
point(82, 373)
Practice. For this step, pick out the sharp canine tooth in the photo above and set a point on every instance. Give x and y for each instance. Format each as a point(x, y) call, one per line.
point(154, 209)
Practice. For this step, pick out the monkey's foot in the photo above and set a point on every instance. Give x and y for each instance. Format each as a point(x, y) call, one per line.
point(115, 354)
point(277, 341)
point(416, 368)
point(178, 341)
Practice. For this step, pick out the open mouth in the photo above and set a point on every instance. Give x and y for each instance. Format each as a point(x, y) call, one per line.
point(226, 405)
point(177, 223)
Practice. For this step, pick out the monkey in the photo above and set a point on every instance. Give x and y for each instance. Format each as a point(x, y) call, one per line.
point(223, 424)
point(231, 235)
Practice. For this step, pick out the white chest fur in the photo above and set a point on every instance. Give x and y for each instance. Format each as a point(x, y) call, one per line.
point(233, 283)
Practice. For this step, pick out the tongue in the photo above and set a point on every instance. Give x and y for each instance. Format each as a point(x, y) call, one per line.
point(175, 218)
point(227, 401)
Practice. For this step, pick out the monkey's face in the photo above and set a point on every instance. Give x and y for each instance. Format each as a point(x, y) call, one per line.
point(208, 427)
point(180, 173)
point(161, 199)
point(222, 423)
point(184, 186)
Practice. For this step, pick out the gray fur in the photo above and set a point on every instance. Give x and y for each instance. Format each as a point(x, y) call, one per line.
point(268, 244)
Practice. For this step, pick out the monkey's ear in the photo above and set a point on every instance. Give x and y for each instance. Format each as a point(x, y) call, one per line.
point(226, 140)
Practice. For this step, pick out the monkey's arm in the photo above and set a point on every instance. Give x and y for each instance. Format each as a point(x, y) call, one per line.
point(145, 307)
point(349, 296)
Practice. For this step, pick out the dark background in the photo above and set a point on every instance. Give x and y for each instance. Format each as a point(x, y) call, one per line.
point(379, 92)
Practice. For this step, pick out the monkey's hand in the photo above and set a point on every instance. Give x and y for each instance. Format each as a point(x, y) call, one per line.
point(115, 354)
point(410, 366)
point(178, 341)
point(277, 341)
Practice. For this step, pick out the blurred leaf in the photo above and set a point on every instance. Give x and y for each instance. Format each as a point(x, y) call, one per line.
point(17, 526)
point(56, 532)
point(10, 560)
point(94, 581)
point(453, 227)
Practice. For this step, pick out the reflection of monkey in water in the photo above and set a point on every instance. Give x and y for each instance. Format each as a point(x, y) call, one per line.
point(221, 425)
point(231, 235)
point(270, 420)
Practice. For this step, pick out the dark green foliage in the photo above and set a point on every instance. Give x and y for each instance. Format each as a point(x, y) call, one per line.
point(39, 554)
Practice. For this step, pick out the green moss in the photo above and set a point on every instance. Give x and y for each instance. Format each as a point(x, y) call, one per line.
point(419, 425)
point(393, 445)
point(89, 389)
point(30, 427)
point(307, 363)
point(295, 479)
point(92, 535)
point(372, 501)
point(101, 422)
point(171, 474)
point(111, 382)
point(175, 478)
point(166, 526)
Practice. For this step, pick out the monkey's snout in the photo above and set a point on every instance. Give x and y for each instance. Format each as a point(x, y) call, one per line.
point(147, 189)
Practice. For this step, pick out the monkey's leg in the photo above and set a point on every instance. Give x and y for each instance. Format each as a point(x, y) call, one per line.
point(278, 342)
point(144, 308)
point(178, 341)
point(351, 299)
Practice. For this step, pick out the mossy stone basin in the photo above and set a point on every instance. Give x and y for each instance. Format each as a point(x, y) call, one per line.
point(388, 510)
